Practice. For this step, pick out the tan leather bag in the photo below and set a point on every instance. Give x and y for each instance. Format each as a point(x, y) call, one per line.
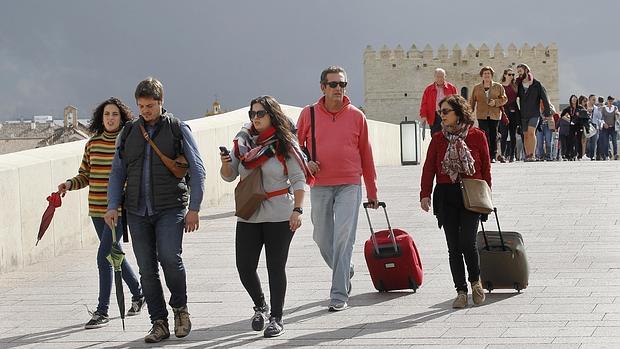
point(476, 195)
point(249, 194)
point(178, 167)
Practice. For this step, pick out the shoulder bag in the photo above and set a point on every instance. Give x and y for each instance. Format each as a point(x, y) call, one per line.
point(476, 195)
point(178, 167)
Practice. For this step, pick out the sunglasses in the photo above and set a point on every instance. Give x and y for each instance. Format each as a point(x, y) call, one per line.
point(334, 84)
point(511, 74)
point(259, 114)
point(446, 111)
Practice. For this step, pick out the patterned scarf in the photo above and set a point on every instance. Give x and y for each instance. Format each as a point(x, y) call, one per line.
point(253, 149)
point(458, 158)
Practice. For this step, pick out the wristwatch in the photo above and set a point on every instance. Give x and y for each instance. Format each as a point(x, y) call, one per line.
point(299, 210)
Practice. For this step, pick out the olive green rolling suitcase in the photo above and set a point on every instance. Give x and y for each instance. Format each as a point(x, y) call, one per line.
point(503, 262)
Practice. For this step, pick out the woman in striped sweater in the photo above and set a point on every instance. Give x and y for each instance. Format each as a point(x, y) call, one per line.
point(106, 123)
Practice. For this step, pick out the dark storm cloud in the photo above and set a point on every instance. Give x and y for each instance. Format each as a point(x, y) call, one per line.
point(55, 53)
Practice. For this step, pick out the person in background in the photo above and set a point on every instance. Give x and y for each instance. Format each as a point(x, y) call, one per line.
point(486, 99)
point(433, 93)
point(530, 92)
point(106, 123)
point(595, 122)
point(268, 144)
point(460, 150)
point(566, 125)
point(610, 115)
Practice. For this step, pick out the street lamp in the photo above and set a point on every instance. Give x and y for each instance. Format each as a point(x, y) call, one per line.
point(409, 142)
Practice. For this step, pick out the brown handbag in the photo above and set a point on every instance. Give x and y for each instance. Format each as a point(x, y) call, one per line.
point(178, 167)
point(249, 194)
point(476, 195)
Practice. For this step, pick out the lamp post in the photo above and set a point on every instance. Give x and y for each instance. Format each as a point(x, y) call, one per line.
point(409, 142)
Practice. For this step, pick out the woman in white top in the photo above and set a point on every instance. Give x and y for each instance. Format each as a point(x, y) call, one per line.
point(268, 144)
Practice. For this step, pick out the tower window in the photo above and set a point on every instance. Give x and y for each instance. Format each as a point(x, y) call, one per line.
point(405, 94)
point(393, 65)
point(424, 65)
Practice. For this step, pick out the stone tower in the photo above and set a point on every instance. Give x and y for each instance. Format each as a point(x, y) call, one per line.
point(394, 80)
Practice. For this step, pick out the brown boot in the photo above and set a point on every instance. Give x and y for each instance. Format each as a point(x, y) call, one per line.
point(460, 301)
point(477, 292)
point(158, 332)
point(182, 323)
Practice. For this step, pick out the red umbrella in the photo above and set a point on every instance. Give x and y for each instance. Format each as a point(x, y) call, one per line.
point(54, 201)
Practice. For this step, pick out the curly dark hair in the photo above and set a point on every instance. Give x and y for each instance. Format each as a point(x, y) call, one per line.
point(461, 108)
point(96, 122)
point(283, 125)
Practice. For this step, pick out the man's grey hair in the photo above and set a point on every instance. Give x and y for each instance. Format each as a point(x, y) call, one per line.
point(440, 70)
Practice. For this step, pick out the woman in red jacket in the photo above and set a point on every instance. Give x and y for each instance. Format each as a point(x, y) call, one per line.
point(459, 151)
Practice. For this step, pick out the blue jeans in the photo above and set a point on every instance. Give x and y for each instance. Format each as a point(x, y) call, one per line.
point(543, 138)
point(105, 268)
point(608, 134)
point(159, 238)
point(591, 149)
point(334, 217)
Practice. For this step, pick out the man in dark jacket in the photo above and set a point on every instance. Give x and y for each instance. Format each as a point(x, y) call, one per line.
point(156, 202)
point(531, 93)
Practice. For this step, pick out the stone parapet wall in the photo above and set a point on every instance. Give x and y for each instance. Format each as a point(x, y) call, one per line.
point(28, 177)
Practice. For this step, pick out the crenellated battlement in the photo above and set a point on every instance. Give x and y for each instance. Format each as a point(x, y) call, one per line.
point(456, 53)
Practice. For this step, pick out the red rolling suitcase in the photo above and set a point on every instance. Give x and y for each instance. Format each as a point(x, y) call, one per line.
point(392, 258)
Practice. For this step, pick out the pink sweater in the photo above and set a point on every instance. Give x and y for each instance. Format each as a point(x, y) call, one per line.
point(342, 146)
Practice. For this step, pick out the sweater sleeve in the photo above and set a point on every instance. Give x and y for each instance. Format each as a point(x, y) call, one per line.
point(423, 104)
point(296, 175)
point(502, 99)
point(303, 128)
point(428, 171)
point(485, 161)
point(234, 165)
point(545, 100)
point(83, 178)
point(473, 100)
point(368, 163)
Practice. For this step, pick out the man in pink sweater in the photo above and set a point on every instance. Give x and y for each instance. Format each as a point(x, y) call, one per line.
point(340, 155)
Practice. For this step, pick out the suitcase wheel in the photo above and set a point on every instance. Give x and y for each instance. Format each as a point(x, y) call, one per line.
point(413, 285)
point(489, 286)
point(518, 287)
point(380, 287)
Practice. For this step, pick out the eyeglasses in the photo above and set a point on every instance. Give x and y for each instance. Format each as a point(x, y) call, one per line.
point(510, 74)
point(333, 84)
point(259, 114)
point(446, 111)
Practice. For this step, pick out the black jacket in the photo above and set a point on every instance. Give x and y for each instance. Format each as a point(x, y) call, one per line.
point(529, 102)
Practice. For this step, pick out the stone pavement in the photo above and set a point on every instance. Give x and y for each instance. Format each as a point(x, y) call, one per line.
point(568, 213)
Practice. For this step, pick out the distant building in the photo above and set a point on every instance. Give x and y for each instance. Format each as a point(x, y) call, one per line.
point(216, 108)
point(41, 131)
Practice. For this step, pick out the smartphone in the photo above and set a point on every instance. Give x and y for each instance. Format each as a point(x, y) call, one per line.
point(223, 150)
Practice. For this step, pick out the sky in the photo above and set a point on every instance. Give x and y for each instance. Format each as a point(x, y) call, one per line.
point(80, 52)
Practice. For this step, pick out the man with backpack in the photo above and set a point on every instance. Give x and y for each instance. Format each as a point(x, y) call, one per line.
point(156, 198)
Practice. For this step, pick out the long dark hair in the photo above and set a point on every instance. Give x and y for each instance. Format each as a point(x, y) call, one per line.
point(96, 122)
point(570, 104)
point(283, 125)
point(513, 83)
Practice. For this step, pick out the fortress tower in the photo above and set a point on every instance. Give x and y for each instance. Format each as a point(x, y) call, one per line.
point(394, 80)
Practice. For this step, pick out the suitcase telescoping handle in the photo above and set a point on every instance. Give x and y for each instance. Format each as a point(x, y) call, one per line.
point(372, 232)
point(501, 237)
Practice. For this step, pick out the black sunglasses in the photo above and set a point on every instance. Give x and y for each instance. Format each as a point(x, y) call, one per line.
point(510, 74)
point(333, 84)
point(259, 114)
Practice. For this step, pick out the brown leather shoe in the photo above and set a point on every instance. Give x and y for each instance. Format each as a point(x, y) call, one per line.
point(460, 301)
point(182, 323)
point(477, 293)
point(158, 332)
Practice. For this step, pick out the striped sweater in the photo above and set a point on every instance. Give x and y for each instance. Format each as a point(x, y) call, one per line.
point(95, 171)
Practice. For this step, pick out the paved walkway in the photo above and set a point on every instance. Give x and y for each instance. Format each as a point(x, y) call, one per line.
point(567, 212)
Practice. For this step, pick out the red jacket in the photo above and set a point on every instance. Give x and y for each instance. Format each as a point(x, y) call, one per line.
point(342, 146)
point(428, 107)
point(476, 142)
